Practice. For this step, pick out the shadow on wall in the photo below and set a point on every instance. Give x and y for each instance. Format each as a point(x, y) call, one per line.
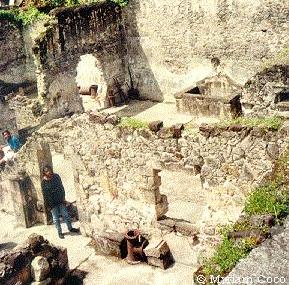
point(142, 75)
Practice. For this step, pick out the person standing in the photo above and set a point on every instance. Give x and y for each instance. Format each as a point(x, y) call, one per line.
point(54, 197)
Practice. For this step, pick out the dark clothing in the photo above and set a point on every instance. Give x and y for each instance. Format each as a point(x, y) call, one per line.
point(53, 191)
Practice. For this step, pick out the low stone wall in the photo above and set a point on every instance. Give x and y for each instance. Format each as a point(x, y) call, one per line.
point(116, 169)
point(199, 105)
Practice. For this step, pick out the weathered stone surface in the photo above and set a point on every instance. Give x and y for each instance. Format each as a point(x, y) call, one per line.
point(39, 268)
point(206, 36)
point(43, 282)
point(115, 170)
point(267, 264)
point(262, 220)
point(108, 243)
point(156, 248)
point(264, 94)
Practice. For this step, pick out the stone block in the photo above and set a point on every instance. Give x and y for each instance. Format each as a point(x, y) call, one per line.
point(162, 207)
point(155, 126)
point(156, 248)
point(185, 228)
point(158, 254)
point(113, 119)
point(177, 130)
point(39, 268)
point(108, 243)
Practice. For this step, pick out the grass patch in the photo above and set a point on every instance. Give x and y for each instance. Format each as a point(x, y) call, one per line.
point(133, 123)
point(272, 123)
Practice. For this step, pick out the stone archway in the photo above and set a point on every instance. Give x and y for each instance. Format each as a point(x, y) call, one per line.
point(90, 75)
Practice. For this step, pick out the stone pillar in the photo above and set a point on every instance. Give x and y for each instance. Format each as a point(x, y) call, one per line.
point(39, 156)
point(161, 200)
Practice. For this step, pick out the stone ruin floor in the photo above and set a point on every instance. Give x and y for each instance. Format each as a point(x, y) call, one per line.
point(101, 269)
point(148, 111)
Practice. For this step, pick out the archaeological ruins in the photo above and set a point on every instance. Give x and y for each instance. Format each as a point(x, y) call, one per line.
point(168, 123)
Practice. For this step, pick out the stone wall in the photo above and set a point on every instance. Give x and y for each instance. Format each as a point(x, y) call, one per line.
point(12, 53)
point(91, 29)
point(15, 64)
point(267, 93)
point(116, 169)
point(173, 44)
point(18, 198)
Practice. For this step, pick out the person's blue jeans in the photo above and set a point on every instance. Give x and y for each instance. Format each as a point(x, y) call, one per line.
point(58, 211)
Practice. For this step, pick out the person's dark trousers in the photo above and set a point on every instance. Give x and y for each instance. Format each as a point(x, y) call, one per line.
point(58, 211)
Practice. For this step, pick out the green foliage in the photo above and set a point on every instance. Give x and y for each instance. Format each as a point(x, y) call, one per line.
point(9, 15)
point(273, 123)
point(26, 17)
point(30, 15)
point(133, 123)
point(71, 2)
point(226, 257)
point(121, 3)
point(245, 225)
point(268, 199)
point(22, 17)
point(272, 198)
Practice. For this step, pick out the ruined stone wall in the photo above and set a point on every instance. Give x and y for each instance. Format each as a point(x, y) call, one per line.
point(12, 53)
point(115, 169)
point(91, 29)
point(15, 65)
point(171, 43)
point(267, 93)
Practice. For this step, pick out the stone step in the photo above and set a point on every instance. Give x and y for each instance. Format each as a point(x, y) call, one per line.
point(184, 227)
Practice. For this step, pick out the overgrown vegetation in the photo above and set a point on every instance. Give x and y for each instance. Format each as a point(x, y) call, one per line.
point(22, 17)
point(28, 15)
point(272, 123)
point(227, 255)
point(133, 123)
point(270, 199)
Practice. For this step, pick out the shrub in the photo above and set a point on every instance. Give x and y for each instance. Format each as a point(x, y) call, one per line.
point(30, 15)
point(10, 16)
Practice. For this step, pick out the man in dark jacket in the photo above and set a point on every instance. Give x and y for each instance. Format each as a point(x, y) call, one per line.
point(54, 197)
